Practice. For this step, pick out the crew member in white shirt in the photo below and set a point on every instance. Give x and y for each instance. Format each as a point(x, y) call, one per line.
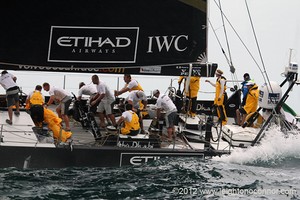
point(130, 85)
point(89, 90)
point(8, 82)
point(106, 100)
point(134, 98)
point(165, 103)
point(64, 99)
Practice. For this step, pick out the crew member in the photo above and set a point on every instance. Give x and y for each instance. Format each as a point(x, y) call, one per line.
point(8, 82)
point(84, 89)
point(134, 98)
point(191, 94)
point(131, 121)
point(220, 96)
point(64, 99)
point(250, 104)
point(35, 104)
point(130, 85)
point(89, 90)
point(106, 100)
point(245, 88)
point(165, 103)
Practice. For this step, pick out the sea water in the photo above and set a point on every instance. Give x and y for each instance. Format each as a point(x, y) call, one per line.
point(267, 171)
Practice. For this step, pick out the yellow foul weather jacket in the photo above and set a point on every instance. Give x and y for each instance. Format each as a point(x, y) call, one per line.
point(133, 125)
point(194, 86)
point(218, 92)
point(252, 99)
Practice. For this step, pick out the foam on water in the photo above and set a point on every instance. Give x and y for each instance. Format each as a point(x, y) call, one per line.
point(273, 149)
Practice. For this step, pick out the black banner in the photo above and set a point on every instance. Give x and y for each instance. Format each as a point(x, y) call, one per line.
point(84, 35)
point(203, 70)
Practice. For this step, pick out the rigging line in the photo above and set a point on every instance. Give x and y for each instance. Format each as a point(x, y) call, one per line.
point(258, 48)
point(225, 33)
point(266, 77)
point(219, 42)
point(242, 42)
point(232, 69)
point(229, 60)
point(222, 49)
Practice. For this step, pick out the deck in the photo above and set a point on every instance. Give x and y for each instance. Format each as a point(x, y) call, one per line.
point(21, 133)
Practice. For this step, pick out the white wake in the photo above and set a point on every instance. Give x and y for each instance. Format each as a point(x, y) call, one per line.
point(275, 146)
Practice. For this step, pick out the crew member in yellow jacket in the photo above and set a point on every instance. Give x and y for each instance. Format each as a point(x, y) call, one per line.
point(131, 121)
point(34, 103)
point(191, 93)
point(250, 105)
point(220, 96)
point(39, 114)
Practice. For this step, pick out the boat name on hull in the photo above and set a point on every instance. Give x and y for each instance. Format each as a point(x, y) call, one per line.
point(135, 144)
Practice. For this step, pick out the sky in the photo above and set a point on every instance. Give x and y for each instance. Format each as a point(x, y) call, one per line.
point(277, 28)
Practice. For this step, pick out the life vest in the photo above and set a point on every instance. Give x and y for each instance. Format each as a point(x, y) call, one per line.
point(138, 87)
point(133, 125)
point(221, 112)
point(194, 86)
point(252, 99)
point(218, 90)
point(36, 98)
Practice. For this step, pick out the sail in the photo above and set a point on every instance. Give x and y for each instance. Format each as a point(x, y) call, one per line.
point(91, 35)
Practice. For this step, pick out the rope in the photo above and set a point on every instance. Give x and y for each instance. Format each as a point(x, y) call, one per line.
point(264, 72)
point(228, 59)
point(234, 30)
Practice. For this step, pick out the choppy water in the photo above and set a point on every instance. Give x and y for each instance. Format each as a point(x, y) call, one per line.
point(268, 171)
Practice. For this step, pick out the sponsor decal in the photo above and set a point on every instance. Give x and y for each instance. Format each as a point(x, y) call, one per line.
point(150, 69)
point(93, 44)
point(232, 105)
point(135, 144)
point(184, 70)
point(141, 158)
point(202, 107)
point(115, 70)
point(165, 43)
point(138, 160)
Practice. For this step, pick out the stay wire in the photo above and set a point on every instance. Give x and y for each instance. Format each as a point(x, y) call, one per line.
point(232, 70)
point(264, 72)
point(218, 40)
point(245, 46)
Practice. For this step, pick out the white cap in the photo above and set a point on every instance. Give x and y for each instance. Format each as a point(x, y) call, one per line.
point(155, 92)
point(140, 93)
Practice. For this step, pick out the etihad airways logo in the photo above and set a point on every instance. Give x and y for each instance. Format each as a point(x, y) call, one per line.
point(93, 44)
point(112, 45)
point(86, 42)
